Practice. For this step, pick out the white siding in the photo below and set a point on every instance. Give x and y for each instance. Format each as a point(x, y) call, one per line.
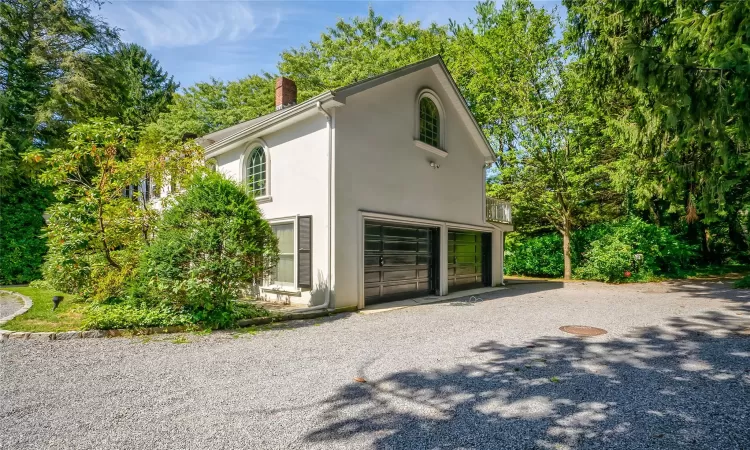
point(297, 177)
point(380, 169)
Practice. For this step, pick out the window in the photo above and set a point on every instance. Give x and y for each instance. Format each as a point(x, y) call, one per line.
point(429, 122)
point(283, 273)
point(130, 191)
point(255, 172)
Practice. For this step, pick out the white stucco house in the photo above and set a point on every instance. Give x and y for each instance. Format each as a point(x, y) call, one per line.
point(376, 191)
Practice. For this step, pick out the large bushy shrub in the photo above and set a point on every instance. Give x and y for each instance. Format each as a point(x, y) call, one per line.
point(603, 252)
point(664, 254)
point(608, 259)
point(211, 244)
point(539, 256)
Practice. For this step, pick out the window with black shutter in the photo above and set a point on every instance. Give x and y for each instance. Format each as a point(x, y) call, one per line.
point(304, 252)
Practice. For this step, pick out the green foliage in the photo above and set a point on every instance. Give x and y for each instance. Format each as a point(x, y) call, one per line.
point(127, 84)
point(128, 315)
point(607, 259)
point(539, 256)
point(22, 246)
point(664, 254)
point(211, 244)
point(95, 234)
point(674, 77)
point(214, 105)
point(604, 252)
point(743, 283)
point(355, 50)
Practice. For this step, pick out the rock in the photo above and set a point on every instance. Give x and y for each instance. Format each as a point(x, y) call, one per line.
point(93, 334)
point(42, 336)
point(64, 336)
point(114, 333)
point(19, 335)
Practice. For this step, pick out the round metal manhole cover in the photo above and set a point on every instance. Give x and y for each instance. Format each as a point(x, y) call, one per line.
point(582, 330)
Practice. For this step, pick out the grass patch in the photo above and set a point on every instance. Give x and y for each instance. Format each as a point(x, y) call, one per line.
point(67, 317)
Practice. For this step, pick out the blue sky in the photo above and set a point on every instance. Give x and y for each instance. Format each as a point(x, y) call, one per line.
point(196, 40)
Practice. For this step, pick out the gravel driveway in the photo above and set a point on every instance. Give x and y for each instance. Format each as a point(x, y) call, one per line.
point(673, 372)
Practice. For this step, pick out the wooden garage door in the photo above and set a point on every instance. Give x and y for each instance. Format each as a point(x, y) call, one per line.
point(398, 262)
point(464, 260)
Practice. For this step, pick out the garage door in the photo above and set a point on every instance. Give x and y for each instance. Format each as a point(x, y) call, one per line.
point(398, 262)
point(468, 267)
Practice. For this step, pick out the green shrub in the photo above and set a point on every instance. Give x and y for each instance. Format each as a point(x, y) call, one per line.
point(743, 283)
point(598, 252)
point(607, 260)
point(127, 315)
point(537, 256)
point(664, 254)
point(210, 245)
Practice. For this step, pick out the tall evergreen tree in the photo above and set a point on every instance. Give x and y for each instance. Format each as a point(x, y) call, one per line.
point(680, 73)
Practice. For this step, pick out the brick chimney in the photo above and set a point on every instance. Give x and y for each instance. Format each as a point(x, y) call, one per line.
point(286, 93)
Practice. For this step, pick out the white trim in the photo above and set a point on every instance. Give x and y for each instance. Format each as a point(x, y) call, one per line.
point(430, 148)
point(406, 220)
point(282, 288)
point(249, 147)
point(429, 93)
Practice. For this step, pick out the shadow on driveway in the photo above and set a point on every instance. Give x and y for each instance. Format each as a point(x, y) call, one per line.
point(682, 385)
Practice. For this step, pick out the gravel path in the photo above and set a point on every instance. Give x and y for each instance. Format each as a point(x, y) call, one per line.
point(9, 304)
point(673, 372)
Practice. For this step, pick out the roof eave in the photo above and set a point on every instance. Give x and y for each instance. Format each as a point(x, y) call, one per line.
point(290, 112)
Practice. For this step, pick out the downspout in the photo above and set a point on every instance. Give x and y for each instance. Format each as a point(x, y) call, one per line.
point(330, 209)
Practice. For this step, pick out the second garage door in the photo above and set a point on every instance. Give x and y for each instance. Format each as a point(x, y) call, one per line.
point(398, 262)
point(466, 264)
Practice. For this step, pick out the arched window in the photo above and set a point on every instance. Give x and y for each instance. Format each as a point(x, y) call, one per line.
point(255, 172)
point(429, 122)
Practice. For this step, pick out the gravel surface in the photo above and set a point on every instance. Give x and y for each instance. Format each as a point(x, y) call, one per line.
point(9, 304)
point(673, 372)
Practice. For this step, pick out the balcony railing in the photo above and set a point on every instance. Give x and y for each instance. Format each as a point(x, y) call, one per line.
point(498, 211)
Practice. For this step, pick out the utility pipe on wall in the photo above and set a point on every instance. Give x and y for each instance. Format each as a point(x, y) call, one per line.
point(329, 127)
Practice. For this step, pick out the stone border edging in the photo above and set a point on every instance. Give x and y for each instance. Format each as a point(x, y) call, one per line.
point(67, 335)
point(27, 303)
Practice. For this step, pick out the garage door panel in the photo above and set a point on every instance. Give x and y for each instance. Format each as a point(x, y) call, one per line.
point(397, 262)
point(401, 246)
point(372, 261)
point(397, 275)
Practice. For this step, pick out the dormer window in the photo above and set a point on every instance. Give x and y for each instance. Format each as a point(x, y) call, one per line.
point(429, 126)
point(429, 122)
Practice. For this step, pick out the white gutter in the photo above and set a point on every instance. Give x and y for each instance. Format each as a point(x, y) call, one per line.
point(329, 126)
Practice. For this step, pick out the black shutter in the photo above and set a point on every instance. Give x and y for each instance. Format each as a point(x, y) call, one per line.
point(304, 252)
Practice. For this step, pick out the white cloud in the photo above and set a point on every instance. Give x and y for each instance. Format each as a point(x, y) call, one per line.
point(191, 23)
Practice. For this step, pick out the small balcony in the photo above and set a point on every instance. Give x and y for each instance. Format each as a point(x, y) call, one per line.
point(498, 211)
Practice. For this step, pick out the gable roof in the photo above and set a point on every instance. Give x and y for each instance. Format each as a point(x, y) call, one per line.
point(218, 140)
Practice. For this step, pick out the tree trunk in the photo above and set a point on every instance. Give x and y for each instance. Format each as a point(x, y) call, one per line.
point(568, 271)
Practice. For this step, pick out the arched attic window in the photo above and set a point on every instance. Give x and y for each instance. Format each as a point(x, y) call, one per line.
point(255, 171)
point(430, 120)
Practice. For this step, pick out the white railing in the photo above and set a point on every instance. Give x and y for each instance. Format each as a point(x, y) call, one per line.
point(498, 210)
